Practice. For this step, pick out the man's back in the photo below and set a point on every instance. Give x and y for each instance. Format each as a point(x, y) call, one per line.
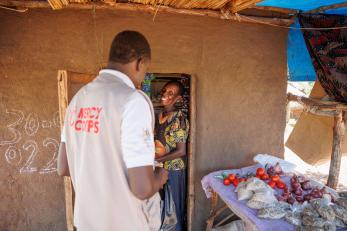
point(98, 172)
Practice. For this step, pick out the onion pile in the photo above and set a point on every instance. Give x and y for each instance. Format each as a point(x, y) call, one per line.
point(301, 191)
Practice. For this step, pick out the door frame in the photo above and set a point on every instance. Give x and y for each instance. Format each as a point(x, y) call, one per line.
point(65, 81)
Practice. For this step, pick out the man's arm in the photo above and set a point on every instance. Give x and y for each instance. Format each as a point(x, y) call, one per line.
point(63, 166)
point(178, 152)
point(144, 182)
point(137, 144)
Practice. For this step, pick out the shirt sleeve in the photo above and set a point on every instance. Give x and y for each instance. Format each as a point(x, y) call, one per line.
point(63, 135)
point(136, 133)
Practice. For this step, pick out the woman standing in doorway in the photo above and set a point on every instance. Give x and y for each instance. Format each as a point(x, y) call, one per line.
point(171, 133)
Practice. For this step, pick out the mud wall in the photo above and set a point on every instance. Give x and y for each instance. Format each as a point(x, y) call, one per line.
point(240, 72)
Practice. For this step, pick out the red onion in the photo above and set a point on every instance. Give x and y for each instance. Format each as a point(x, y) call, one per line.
point(293, 179)
point(306, 185)
point(316, 194)
point(298, 192)
point(324, 190)
point(296, 185)
point(307, 197)
point(300, 199)
point(271, 171)
point(278, 169)
point(301, 179)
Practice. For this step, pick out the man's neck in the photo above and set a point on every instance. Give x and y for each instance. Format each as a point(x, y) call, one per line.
point(124, 68)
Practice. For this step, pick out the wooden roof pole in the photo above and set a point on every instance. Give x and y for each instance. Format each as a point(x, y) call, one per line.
point(276, 9)
point(153, 9)
point(329, 7)
point(339, 112)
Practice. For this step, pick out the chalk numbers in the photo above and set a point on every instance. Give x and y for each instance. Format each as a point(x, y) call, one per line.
point(25, 158)
point(32, 124)
point(30, 146)
point(13, 155)
point(18, 115)
point(51, 166)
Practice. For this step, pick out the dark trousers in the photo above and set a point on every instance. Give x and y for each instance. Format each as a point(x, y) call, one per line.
point(177, 182)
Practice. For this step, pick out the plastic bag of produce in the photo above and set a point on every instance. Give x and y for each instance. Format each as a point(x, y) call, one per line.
point(242, 192)
point(340, 213)
point(293, 216)
point(342, 202)
point(255, 184)
point(273, 212)
point(266, 196)
point(262, 199)
point(168, 214)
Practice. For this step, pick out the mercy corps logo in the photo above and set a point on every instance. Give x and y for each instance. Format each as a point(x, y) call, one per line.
point(85, 119)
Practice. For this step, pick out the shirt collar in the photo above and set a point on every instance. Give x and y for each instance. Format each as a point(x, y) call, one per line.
point(119, 75)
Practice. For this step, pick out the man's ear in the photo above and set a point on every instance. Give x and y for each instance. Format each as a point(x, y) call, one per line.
point(138, 63)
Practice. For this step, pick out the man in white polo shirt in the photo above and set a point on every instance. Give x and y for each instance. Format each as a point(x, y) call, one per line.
point(107, 145)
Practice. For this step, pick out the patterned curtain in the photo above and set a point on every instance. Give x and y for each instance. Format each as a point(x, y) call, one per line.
point(328, 49)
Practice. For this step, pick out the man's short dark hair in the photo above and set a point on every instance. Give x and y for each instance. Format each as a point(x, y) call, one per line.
point(177, 84)
point(128, 46)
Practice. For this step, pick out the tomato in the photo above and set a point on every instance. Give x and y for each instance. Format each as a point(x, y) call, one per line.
point(231, 177)
point(281, 185)
point(258, 176)
point(275, 178)
point(265, 176)
point(260, 171)
point(226, 181)
point(272, 184)
point(242, 179)
point(236, 182)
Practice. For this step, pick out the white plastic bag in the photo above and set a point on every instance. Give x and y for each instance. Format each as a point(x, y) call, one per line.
point(255, 184)
point(264, 159)
point(242, 192)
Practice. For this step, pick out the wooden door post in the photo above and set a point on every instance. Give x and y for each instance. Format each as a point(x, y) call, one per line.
point(338, 134)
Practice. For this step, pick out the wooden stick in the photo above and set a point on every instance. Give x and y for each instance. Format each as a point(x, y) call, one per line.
point(63, 91)
point(324, 8)
point(191, 154)
point(318, 111)
point(225, 219)
point(276, 9)
point(153, 9)
point(210, 220)
point(320, 104)
point(338, 134)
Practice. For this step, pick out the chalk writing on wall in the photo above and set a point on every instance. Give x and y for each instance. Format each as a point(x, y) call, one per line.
point(23, 148)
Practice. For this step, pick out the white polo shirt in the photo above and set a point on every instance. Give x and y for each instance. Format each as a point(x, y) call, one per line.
point(137, 151)
point(108, 128)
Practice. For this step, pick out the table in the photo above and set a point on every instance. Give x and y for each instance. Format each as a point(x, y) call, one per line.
point(215, 190)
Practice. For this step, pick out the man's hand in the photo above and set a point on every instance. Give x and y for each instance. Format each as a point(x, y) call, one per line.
point(161, 176)
point(144, 182)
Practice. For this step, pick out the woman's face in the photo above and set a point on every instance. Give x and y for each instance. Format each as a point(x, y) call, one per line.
point(170, 95)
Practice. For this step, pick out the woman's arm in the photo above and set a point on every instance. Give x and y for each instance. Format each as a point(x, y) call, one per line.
point(178, 152)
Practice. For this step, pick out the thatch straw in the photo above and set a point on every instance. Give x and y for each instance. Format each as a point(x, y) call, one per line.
point(187, 4)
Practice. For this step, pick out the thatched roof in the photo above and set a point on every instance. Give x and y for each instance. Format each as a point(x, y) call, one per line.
point(180, 4)
point(237, 10)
